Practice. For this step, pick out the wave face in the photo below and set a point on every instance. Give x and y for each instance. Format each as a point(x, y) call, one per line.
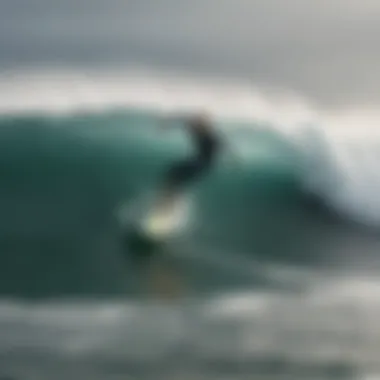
point(63, 179)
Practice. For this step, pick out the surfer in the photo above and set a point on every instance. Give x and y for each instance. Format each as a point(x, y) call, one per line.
point(184, 173)
point(146, 241)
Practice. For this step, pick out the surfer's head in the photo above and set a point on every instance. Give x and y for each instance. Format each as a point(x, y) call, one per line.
point(200, 121)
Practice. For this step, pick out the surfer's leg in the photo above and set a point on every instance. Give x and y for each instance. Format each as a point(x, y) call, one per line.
point(179, 178)
point(183, 174)
point(175, 181)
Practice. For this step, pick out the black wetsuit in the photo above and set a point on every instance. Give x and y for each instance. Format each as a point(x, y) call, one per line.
point(185, 172)
point(142, 247)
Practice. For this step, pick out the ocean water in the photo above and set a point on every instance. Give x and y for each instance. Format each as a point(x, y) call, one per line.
point(278, 264)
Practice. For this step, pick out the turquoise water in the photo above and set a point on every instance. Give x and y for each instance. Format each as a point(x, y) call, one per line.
point(63, 179)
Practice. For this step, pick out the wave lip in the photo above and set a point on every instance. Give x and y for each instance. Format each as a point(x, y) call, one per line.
point(63, 91)
point(341, 168)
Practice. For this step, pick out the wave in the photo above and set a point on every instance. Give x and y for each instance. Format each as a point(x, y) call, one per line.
point(337, 165)
point(69, 159)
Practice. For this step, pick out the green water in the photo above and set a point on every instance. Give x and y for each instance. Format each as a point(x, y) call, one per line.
point(63, 178)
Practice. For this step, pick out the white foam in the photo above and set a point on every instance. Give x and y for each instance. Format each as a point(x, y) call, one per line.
point(341, 166)
point(337, 320)
point(63, 90)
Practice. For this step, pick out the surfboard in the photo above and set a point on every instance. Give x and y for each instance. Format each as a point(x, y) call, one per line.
point(162, 222)
point(155, 221)
point(148, 228)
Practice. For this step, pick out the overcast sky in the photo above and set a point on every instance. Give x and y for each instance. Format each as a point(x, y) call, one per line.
point(328, 50)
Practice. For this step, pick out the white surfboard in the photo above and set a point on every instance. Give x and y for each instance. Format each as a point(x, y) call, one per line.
point(164, 222)
point(160, 223)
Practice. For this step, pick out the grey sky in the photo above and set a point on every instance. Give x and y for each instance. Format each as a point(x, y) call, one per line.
point(326, 50)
